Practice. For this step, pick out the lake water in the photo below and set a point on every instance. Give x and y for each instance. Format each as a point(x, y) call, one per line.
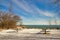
point(42, 26)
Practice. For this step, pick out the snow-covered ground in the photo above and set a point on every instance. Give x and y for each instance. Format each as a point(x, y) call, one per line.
point(29, 34)
point(54, 31)
point(51, 31)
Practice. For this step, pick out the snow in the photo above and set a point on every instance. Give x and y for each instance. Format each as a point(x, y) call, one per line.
point(30, 31)
point(28, 34)
point(5, 31)
point(51, 31)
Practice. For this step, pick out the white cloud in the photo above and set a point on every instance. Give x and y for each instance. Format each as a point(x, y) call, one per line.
point(45, 13)
point(36, 22)
point(23, 5)
point(30, 21)
point(48, 14)
point(32, 9)
point(41, 22)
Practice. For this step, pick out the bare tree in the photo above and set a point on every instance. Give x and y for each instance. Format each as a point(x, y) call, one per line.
point(57, 2)
point(8, 20)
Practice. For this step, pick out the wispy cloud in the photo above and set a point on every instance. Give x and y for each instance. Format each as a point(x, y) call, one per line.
point(36, 22)
point(32, 9)
point(23, 6)
point(40, 22)
point(45, 13)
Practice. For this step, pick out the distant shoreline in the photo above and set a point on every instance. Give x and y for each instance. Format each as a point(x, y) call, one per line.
point(43, 26)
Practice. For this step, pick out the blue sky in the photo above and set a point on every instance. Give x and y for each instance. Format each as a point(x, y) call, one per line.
point(33, 12)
